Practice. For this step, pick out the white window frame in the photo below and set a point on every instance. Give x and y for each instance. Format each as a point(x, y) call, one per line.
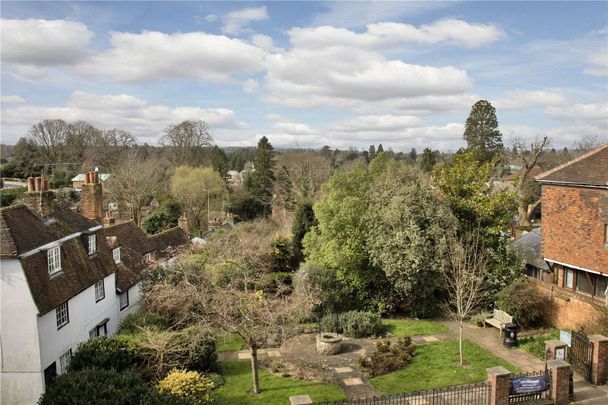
point(92, 244)
point(54, 259)
point(121, 299)
point(571, 284)
point(100, 291)
point(116, 255)
point(62, 315)
point(64, 361)
point(148, 257)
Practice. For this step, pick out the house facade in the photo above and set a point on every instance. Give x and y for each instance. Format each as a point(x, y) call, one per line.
point(573, 239)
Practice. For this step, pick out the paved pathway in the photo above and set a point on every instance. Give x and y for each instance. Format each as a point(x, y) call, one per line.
point(489, 339)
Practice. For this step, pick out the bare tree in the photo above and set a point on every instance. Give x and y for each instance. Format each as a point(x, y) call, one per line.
point(528, 160)
point(586, 144)
point(307, 171)
point(132, 184)
point(464, 278)
point(186, 141)
point(108, 147)
point(49, 136)
point(80, 136)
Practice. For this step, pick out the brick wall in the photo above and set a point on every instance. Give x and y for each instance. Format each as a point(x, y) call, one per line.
point(573, 226)
point(91, 200)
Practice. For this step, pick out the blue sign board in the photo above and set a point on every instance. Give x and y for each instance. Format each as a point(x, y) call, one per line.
point(529, 385)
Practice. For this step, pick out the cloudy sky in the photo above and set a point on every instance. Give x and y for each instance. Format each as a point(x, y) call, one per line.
point(307, 74)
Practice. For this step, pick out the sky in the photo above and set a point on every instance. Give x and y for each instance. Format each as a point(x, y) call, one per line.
point(308, 74)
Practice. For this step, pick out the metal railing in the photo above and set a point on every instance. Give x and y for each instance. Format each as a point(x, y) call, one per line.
point(543, 392)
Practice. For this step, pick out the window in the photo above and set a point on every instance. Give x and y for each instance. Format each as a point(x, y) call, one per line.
point(62, 315)
point(148, 257)
point(54, 259)
point(124, 300)
point(100, 330)
point(568, 278)
point(601, 286)
point(100, 292)
point(92, 244)
point(584, 282)
point(116, 255)
point(64, 361)
point(532, 271)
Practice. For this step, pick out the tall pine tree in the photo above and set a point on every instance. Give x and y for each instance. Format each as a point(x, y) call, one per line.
point(261, 181)
point(481, 132)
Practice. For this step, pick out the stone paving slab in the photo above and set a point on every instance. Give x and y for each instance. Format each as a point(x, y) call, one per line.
point(352, 381)
point(343, 370)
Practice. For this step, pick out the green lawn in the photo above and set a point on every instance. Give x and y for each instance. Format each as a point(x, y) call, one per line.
point(227, 342)
point(414, 327)
point(436, 365)
point(276, 390)
point(536, 344)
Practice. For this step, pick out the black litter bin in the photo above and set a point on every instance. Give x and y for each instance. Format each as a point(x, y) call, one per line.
point(510, 339)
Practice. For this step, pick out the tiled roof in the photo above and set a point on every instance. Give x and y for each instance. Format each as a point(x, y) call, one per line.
point(169, 241)
point(81, 177)
point(28, 231)
point(528, 245)
point(131, 236)
point(590, 169)
point(130, 268)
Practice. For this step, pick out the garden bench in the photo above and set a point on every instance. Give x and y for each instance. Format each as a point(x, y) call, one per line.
point(499, 319)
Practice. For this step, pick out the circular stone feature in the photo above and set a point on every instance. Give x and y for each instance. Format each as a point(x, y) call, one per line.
point(329, 343)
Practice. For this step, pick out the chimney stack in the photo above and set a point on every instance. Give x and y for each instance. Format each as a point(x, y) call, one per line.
point(108, 220)
point(183, 223)
point(38, 196)
point(91, 197)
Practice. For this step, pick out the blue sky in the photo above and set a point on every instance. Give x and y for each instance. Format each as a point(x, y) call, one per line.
point(308, 74)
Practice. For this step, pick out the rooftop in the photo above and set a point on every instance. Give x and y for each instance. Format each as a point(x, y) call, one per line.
point(590, 169)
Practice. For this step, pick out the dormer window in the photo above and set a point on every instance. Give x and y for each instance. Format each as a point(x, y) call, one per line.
point(116, 255)
point(92, 244)
point(54, 259)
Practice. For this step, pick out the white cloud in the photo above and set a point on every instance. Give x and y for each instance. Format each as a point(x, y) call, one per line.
point(522, 99)
point(265, 42)
point(294, 128)
point(210, 17)
point(582, 113)
point(237, 21)
point(152, 56)
point(390, 34)
point(559, 136)
point(43, 42)
point(144, 119)
point(376, 123)
point(250, 86)
point(12, 100)
point(28, 72)
point(598, 62)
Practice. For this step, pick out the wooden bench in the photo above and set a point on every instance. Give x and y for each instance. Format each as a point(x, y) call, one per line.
point(499, 319)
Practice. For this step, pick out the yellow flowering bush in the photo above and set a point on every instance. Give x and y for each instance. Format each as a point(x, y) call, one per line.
point(187, 384)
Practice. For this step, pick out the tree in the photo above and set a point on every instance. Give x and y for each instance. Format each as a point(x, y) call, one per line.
point(372, 152)
point(110, 147)
point(380, 149)
point(481, 132)
point(428, 160)
point(463, 279)
point(25, 162)
point(413, 155)
point(194, 188)
point(49, 136)
point(307, 172)
point(186, 141)
point(261, 181)
point(133, 183)
point(527, 201)
point(304, 219)
point(80, 136)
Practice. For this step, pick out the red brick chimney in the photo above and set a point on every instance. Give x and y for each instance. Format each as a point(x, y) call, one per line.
point(38, 196)
point(91, 197)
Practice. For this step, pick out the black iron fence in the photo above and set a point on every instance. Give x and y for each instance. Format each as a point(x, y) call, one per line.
point(470, 394)
point(580, 354)
point(526, 387)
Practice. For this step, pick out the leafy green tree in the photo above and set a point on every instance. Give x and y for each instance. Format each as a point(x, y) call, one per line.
point(428, 161)
point(157, 222)
point(413, 155)
point(26, 160)
point(481, 132)
point(372, 152)
point(380, 149)
point(261, 181)
point(304, 219)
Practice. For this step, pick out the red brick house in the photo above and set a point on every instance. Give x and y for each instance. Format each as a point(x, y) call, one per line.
point(574, 238)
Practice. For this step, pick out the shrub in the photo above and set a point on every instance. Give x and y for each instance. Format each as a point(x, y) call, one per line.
point(389, 357)
point(98, 386)
point(596, 324)
point(102, 352)
point(480, 318)
point(187, 384)
point(359, 324)
point(9, 195)
point(200, 352)
point(356, 324)
point(522, 301)
point(133, 323)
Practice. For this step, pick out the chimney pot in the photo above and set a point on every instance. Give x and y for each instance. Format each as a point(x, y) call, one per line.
point(31, 184)
point(45, 185)
point(38, 184)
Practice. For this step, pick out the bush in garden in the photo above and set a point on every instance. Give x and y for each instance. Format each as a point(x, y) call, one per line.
point(480, 318)
point(200, 352)
point(102, 352)
point(188, 385)
point(103, 387)
point(359, 324)
point(330, 323)
point(389, 357)
point(522, 301)
point(133, 323)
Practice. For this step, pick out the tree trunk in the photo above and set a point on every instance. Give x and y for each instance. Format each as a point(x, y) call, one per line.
point(254, 370)
point(524, 218)
point(461, 327)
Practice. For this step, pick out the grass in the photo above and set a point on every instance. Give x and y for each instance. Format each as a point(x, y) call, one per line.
point(436, 365)
point(226, 342)
point(276, 390)
point(414, 327)
point(535, 345)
